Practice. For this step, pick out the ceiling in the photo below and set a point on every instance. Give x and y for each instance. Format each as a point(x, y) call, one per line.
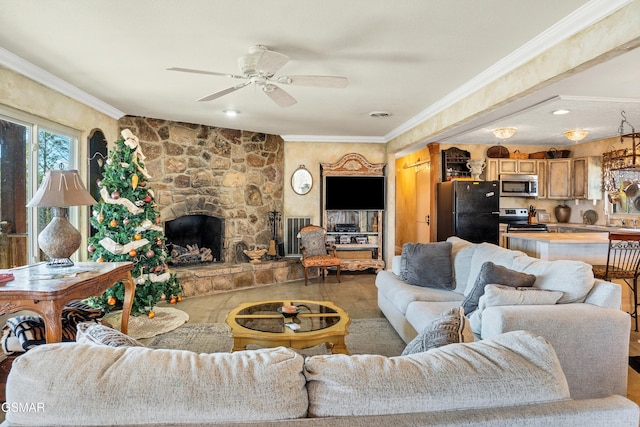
point(404, 58)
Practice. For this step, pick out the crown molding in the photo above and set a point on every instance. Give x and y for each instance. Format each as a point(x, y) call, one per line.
point(334, 138)
point(35, 73)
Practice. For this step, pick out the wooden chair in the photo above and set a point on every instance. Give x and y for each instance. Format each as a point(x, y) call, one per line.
point(623, 261)
point(316, 253)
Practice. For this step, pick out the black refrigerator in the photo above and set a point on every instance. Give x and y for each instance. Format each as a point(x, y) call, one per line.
point(469, 210)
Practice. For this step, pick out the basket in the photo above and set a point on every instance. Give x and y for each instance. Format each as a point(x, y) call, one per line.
point(518, 155)
point(498, 152)
point(558, 154)
point(538, 155)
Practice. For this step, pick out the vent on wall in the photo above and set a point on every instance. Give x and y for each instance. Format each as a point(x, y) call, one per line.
point(293, 224)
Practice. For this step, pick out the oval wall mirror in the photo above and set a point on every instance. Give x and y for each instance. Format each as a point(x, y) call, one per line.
point(301, 180)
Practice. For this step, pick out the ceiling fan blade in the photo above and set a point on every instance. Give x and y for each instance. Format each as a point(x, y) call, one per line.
point(269, 62)
point(315, 81)
point(212, 73)
point(223, 92)
point(279, 96)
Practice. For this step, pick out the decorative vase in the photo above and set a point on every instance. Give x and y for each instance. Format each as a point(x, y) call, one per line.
point(255, 254)
point(476, 166)
point(563, 213)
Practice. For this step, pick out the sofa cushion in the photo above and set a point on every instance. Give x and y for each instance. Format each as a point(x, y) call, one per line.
point(401, 294)
point(488, 252)
point(497, 295)
point(461, 255)
point(427, 264)
point(573, 278)
point(492, 274)
point(137, 385)
point(449, 328)
point(95, 333)
point(514, 368)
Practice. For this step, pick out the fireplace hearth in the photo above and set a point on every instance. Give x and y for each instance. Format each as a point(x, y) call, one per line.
point(195, 239)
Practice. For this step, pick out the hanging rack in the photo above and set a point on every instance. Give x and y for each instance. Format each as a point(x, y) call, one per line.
point(416, 164)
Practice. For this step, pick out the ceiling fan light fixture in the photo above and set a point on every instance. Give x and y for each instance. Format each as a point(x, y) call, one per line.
point(504, 133)
point(576, 135)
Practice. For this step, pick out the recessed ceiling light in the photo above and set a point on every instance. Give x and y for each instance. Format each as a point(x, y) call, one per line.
point(379, 114)
point(561, 112)
point(231, 113)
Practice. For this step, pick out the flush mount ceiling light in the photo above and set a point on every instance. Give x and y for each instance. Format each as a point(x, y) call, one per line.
point(231, 113)
point(576, 134)
point(561, 112)
point(504, 133)
point(379, 114)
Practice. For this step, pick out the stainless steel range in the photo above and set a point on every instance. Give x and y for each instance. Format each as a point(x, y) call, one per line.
point(517, 220)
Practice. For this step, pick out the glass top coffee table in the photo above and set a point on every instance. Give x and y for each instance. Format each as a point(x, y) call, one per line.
point(263, 323)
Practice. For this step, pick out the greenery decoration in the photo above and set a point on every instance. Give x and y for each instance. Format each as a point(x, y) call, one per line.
point(127, 224)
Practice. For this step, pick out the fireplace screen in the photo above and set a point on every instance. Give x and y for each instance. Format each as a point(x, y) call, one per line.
point(194, 239)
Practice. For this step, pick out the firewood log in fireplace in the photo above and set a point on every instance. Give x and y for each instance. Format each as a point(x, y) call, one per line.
point(191, 254)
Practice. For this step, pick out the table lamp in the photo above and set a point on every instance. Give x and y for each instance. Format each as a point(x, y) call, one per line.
point(59, 190)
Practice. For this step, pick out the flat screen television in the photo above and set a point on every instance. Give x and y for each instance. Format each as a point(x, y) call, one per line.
point(354, 193)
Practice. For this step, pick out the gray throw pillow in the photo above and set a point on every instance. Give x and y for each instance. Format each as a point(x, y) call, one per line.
point(427, 264)
point(314, 242)
point(492, 274)
point(449, 328)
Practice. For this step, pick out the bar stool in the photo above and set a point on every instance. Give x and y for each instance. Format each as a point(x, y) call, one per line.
point(623, 261)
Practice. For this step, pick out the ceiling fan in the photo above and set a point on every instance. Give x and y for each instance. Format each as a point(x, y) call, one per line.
point(259, 67)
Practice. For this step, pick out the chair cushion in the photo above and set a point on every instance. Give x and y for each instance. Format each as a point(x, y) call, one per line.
point(492, 274)
point(427, 264)
point(320, 261)
point(313, 242)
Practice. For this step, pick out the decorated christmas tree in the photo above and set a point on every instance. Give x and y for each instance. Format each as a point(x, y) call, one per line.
point(128, 229)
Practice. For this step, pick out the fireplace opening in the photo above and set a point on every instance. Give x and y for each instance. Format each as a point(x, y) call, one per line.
point(195, 239)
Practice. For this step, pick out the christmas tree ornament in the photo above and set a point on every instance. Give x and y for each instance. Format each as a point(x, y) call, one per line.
point(134, 181)
point(146, 224)
point(126, 221)
point(113, 223)
point(111, 301)
point(150, 253)
point(151, 315)
point(137, 236)
point(147, 199)
point(132, 253)
point(115, 195)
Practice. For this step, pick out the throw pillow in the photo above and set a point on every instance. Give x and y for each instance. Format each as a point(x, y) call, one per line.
point(492, 274)
point(427, 264)
point(498, 295)
point(95, 333)
point(314, 242)
point(449, 328)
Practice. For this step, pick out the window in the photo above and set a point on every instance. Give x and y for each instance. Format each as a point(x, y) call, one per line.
point(28, 148)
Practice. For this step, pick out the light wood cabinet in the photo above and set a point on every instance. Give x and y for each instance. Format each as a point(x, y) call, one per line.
point(491, 170)
point(587, 178)
point(517, 166)
point(559, 179)
point(542, 178)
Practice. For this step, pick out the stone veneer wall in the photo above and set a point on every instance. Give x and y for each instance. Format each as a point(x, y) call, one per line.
point(231, 174)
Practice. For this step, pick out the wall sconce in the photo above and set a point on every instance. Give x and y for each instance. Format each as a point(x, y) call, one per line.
point(576, 135)
point(504, 133)
point(59, 190)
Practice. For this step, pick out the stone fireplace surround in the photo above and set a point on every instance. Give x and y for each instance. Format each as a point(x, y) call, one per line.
point(230, 174)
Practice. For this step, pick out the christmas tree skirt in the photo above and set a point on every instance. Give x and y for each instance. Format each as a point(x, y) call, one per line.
point(166, 319)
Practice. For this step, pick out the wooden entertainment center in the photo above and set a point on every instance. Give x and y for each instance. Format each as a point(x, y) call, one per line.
point(357, 233)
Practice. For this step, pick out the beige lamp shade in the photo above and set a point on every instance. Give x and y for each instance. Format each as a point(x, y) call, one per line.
point(61, 188)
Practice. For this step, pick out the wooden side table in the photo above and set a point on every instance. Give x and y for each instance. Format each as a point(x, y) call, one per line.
point(47, 290)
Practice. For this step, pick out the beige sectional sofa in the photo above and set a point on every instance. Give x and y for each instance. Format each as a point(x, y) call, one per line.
point(586, 327)
point(453, 385)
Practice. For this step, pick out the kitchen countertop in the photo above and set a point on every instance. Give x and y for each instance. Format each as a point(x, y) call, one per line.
point(564, 238)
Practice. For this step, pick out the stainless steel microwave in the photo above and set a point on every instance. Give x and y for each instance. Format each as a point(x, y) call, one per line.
point(518, 185)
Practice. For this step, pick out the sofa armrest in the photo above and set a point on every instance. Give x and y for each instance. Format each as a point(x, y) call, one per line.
point(591, 342)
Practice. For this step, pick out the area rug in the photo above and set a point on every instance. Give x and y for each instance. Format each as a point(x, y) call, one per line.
point(140, 327)
point(366, 336)
point(634, 362)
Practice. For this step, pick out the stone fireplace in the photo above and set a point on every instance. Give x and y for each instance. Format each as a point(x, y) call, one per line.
point(207, 172)
point(195, 239)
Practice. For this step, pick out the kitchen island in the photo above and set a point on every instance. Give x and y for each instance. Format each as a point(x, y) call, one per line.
point(590, 247)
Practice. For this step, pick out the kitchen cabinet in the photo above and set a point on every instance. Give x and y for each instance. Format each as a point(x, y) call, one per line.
point(543, 178)
point(559, 179)
point(586, 177)
point(517, 166)
point(497, 167)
